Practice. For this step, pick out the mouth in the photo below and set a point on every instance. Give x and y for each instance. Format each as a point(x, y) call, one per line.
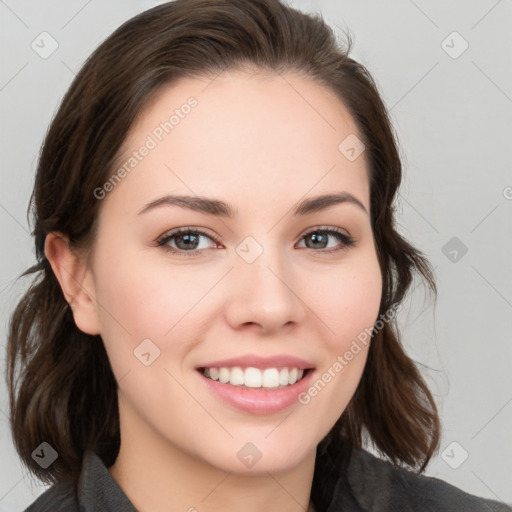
point(257, 391)
point(255, 378)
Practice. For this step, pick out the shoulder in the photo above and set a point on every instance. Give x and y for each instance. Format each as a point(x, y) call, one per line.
point(60, 497)
point(95, 489)
point(380, 485)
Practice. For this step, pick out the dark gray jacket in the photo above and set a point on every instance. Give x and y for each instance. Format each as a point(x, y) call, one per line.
point(360, 482)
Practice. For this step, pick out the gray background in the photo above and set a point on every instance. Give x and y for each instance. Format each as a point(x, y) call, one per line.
point(452, 113)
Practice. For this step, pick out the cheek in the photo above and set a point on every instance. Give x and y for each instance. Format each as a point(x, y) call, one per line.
point(349, 301)
point(133, 305)
point(140, 301)
point(348, 310)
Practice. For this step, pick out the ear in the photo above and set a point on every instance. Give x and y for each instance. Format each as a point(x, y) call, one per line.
point(75, 279)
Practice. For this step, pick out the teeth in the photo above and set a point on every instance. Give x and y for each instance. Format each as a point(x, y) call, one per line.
point(236, 376)
point(223, 375)
point(269, 378)
point(254, 377)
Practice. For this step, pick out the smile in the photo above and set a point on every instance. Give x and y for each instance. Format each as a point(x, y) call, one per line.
point(251, 395)
point(254, 378)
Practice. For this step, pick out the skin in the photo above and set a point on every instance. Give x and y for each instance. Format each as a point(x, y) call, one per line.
point(262, 142)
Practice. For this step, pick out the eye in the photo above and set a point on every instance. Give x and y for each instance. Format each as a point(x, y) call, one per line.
point(186, 241)
point(320, 236)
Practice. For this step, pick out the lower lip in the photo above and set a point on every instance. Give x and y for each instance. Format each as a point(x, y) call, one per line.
point(259, 401)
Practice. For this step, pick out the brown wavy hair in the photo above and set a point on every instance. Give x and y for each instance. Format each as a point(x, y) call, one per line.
point(61, 386)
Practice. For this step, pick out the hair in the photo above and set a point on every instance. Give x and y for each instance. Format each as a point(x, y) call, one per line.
point(61, 386)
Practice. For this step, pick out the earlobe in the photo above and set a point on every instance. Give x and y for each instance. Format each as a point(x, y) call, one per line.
point(75, 279)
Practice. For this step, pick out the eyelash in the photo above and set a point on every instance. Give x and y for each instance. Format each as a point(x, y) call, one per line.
point(346, 240)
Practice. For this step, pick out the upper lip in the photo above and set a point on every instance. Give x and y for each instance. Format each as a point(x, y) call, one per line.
point(254, 361)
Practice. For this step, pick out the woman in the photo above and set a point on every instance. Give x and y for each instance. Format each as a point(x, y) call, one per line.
point(219, 274)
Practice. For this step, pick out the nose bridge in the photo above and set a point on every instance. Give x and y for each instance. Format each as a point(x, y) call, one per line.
point(263, 263)
point(263, 284)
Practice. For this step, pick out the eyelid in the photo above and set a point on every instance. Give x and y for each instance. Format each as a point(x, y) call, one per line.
point(205, 231)
point(326, 228)
point(184, 230)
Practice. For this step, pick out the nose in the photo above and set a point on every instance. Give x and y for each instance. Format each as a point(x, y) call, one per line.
point(266, 293)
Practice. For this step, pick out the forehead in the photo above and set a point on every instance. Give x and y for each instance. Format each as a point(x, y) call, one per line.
point(275, 135)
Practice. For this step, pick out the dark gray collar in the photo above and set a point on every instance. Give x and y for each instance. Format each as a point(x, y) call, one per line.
point(356, 481)
point(99, 492)
point(97, 489)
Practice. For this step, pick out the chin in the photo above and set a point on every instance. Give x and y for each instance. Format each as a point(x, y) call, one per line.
point(257, 458)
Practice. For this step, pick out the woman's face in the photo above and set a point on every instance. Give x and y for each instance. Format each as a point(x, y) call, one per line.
point(265, 281)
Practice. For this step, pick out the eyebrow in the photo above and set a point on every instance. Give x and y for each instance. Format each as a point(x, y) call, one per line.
point(220, 208)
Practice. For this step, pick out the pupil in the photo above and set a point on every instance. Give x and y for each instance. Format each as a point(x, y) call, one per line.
point(315, 237)
point(187, 239)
